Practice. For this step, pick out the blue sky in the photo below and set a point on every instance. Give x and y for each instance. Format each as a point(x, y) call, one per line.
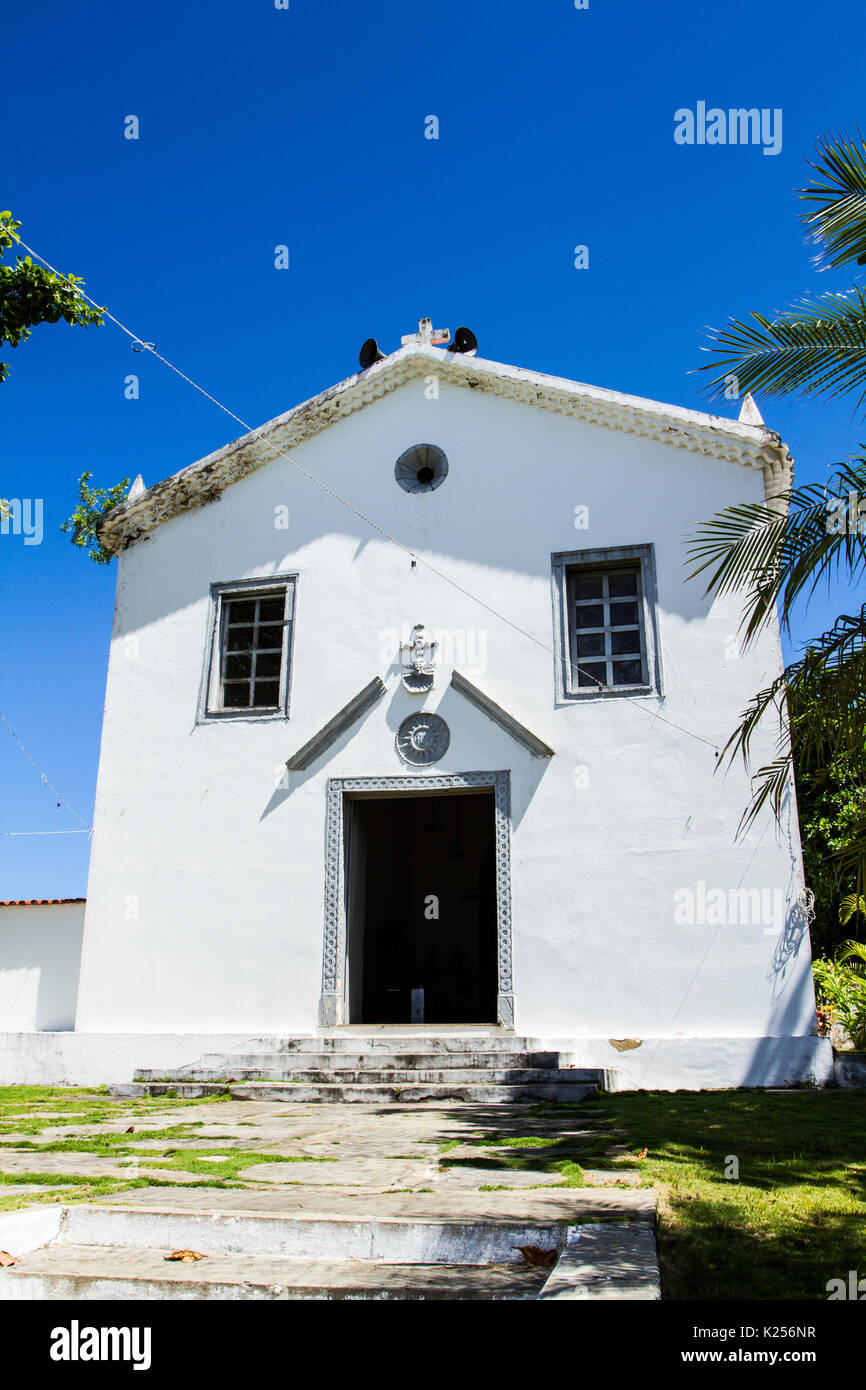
point(305, 127)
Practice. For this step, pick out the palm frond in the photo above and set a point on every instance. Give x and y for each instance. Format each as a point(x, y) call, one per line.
point(819, 703)
point(851, 862)
point(817, 346)
point(769, 784)
point(838, 222)
point(774, 551)
point(826, 693)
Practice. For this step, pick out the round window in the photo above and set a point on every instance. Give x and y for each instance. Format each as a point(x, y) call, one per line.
point(421, 468)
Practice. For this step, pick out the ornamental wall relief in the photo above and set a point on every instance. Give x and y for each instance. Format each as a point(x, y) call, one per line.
point(423, 739)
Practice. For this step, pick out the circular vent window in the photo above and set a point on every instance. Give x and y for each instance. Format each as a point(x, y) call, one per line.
point(421, 469)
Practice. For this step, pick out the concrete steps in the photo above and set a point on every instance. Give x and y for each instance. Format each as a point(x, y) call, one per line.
point(226, 1066)
point(370, 1247)
point(296, 1093)
point(476, 1094)
point(392, 1076)
point(389, 1039)
point(81, 1272)
point(380, 1069)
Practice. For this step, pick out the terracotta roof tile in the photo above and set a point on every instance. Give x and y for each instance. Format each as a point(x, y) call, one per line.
point(37, 902)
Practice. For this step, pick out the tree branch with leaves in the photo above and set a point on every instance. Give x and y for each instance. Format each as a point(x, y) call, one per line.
point(30, 295)
point(93, 503)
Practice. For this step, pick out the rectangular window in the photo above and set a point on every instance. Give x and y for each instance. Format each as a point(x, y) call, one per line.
point(605, 612)
point(606, 622)
point(250, 649)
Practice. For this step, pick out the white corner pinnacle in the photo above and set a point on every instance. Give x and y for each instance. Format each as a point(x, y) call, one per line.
point(138, 488)
point(749, 412)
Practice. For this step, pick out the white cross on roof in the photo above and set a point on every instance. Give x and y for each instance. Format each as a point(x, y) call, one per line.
point(427, 335)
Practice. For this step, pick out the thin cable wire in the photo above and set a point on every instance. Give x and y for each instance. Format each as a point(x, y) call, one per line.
point(16, 833)
point(280, 453)
point(61, 800)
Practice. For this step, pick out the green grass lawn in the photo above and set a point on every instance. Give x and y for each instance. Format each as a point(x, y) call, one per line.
point(794, 1218)
point(29, 1110)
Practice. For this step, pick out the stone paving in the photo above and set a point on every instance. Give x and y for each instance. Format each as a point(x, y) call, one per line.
point(419, 1148)
point(422, 1174)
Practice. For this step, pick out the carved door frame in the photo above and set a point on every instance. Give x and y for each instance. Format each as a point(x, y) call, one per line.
point(333, 1004)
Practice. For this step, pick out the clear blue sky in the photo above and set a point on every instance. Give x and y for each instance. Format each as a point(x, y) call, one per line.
point(305, 127)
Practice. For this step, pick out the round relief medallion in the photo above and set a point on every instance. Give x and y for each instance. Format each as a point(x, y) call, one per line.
point(423, 739)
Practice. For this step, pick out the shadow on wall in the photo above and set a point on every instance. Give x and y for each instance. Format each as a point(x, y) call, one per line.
point(454, 709)
point(40, 962)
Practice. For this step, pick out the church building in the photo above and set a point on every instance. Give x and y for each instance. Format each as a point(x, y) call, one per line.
point(412, 727)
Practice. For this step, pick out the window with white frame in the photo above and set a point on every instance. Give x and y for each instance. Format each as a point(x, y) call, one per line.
point(250, 649)
point(606, 621)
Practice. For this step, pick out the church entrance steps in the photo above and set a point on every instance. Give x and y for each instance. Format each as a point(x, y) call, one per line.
point(377, 1246)
point(401, 1076)
point(394, 1038)
point(378, 1068)
point(223, 1066)
point(298, 1093)
point(479, 1093)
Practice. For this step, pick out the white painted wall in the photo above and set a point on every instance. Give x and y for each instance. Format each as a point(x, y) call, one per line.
point(40, 956)
point(205, 902)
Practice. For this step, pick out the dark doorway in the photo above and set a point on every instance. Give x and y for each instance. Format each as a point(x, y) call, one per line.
point(421, 908)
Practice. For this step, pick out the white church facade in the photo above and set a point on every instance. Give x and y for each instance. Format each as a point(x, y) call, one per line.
point(412, 721)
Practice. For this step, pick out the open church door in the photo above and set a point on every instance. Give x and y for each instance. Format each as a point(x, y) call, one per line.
point(421, 910)
point(355, 841)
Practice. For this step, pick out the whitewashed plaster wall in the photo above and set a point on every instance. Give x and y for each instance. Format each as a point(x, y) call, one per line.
point(205, 902)
point(40, 956)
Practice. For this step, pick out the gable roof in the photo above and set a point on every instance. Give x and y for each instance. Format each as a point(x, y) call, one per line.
point(751, 445)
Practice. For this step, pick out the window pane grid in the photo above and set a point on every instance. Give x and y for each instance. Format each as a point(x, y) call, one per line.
point(251, 658)
point(606, 628)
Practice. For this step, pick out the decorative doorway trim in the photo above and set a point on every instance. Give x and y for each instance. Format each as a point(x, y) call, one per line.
point(332, 1005)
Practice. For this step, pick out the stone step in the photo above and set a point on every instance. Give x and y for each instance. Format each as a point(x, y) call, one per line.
point(475, 1092)
point(183, 1090)
point(546, 1207)
point(446, 1076)
point(600, 1262)
point(411, 1228)
point(413, 1092)
point(476, 1066)
point(299, 1093)
point(297, 1244)
point(408, 1040)
point(83, 1272)
point(230, 1063)
point(613, 1261)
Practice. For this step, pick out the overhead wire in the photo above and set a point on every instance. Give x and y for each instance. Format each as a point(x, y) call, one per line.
point(143, 345)
point(61, 800)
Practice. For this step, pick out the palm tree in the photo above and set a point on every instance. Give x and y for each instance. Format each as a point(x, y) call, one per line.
point(776, 551)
